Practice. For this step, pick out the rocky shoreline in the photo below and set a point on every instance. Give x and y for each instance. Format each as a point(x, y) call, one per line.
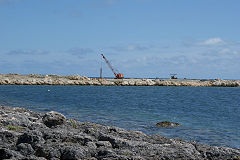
point(25, 134)
point(36, 79)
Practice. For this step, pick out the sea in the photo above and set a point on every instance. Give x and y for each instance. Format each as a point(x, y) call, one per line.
point(209, 115)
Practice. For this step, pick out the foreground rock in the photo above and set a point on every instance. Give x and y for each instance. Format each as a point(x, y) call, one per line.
point(26, 134)
point(53, 119)
point(35, 79)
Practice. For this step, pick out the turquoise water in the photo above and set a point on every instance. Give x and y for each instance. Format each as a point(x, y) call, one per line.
point(207, 115)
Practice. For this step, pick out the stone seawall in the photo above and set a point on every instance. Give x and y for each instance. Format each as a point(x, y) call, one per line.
point(29, 135)
point(35, 79)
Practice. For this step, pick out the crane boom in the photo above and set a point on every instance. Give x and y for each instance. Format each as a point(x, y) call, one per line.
point(109, 65)
point(117, 75)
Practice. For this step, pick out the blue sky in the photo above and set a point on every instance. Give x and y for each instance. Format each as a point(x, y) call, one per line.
point(141, 38)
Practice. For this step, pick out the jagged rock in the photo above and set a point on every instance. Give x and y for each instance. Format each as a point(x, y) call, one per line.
point(74, 77)
point(85, 140)
point(31, 137)
point(106, 82)
point(104, 144)
point(7, 138)
point(150, 82)
point(167, 124)
point(46, 151)
point(9, 154)
point(73, 153)
point(85, 78)
point(53, 118)
point(132, 82)
point(125, 83)
point(106, 153)
point(54, 154)
point(141, 82)
point(25, 149)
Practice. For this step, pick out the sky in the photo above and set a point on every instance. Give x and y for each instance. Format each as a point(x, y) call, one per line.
point(141, 38)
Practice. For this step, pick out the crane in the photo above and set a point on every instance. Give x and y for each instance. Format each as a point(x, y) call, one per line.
point(117, 75)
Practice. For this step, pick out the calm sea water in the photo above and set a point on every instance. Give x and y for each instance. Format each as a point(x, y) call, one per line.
point(206, 115)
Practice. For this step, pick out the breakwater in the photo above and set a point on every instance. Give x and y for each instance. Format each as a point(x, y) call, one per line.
point(35, 79)
point(25, 134)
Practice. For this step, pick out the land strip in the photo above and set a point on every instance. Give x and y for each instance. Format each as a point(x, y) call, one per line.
point(36, 79)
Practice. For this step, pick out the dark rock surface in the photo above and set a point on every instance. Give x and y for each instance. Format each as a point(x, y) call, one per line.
point(53, 119)
point(29, 135)
point(167, 124)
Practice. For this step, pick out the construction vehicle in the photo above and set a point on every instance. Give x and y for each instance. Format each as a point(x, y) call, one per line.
point(117, 75)
point(173, 76)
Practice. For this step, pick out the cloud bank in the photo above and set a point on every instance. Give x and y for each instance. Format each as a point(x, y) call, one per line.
point(212, 42)
point(80, 52)
point(27, 52)
point(129, 48)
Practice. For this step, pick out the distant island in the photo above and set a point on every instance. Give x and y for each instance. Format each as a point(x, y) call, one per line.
point(37, 79)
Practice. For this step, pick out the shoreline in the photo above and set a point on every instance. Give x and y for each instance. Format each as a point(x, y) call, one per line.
point(26, 134)
point(36, 79)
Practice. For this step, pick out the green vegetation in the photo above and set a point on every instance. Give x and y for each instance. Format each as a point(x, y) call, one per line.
point(73, 123)
point(14, 128)
point(127, 154)
point(236, 158)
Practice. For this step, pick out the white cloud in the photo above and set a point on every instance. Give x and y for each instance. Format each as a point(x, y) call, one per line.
point(80, 52)
point(27, 52)
point(130, 48)
point(213, 42)
point(227, 51)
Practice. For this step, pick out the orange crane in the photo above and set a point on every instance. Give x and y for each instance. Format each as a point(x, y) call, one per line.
point(117, 75)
